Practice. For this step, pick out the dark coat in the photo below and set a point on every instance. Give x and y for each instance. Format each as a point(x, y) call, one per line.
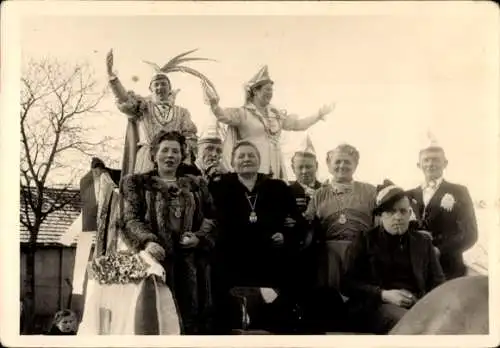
point(363, 278)
point(245, 251)
point(146, 219)
point(453, 231)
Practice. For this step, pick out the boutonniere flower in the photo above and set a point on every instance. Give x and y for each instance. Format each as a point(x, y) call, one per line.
point(447, 202)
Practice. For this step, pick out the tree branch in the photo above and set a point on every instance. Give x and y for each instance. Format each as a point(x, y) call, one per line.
point(54, 99)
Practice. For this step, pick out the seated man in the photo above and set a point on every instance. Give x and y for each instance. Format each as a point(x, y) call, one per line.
point(390, 267)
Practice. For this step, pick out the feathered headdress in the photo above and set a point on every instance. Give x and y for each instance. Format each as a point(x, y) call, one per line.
point(174, 65)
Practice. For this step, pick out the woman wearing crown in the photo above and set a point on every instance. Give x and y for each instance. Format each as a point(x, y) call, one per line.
point(260, 122)
point(148, 115)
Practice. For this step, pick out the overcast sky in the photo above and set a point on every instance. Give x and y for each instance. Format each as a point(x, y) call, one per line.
point(393, 77)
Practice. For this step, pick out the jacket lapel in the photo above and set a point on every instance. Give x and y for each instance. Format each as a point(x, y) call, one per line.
point(418, 195)
point(434, 205)
point(416, 260)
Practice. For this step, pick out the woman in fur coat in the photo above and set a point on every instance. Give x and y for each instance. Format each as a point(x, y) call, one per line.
point(168, 215)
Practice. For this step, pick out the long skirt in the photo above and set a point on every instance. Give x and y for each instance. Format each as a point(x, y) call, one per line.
point(147, 308)
point(332, 263)
point(143, 163)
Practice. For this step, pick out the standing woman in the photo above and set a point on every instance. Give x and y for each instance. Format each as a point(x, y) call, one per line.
point(170, 217)
point(341, 210)
point(261, 123)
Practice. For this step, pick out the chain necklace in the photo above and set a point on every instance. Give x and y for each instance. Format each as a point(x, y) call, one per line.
point(271, 122)
point(339, 199)
point(253, 215)
point(162, 113)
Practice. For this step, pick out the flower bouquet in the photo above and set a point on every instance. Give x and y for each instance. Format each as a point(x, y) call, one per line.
point(122, 267)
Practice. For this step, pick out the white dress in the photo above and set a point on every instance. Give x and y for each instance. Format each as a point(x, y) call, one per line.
point(264, 131)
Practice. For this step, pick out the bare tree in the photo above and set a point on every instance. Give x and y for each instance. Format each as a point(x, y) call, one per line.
point(56, 101)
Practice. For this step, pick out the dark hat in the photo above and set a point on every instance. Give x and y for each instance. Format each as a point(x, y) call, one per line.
point(97, 163)
point(387, 194)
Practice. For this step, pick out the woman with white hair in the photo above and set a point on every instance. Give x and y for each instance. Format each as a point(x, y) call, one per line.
point(341, 210)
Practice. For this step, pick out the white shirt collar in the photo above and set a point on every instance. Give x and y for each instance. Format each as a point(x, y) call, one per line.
point(306, 187)
point(438, 182)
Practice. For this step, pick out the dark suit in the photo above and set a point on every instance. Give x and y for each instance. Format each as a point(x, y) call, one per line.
point(372, 266)
point(453, 231)
point(301, 198)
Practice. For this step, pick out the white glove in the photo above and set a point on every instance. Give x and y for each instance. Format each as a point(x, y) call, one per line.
point(154, 267)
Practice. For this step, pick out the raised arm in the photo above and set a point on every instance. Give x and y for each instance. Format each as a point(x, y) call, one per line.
point(126, 101)
point(229, 116)
point(116, 86)
point(294, 123)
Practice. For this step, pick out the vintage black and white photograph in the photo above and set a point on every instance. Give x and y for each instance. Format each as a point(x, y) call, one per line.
point(254, 172)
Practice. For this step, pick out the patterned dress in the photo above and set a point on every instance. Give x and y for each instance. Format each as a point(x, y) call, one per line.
point(339, 213)
point(146, 119)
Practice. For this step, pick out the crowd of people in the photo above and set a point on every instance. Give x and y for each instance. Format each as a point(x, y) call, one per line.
point(245, 249)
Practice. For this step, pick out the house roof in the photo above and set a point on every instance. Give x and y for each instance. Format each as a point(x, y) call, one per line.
point(57, 222)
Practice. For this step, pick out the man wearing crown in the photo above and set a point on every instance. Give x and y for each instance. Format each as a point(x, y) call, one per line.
point(444, 209)
point(148, 115)
point(305, 168)
point(260, 122)
point(209, 156)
